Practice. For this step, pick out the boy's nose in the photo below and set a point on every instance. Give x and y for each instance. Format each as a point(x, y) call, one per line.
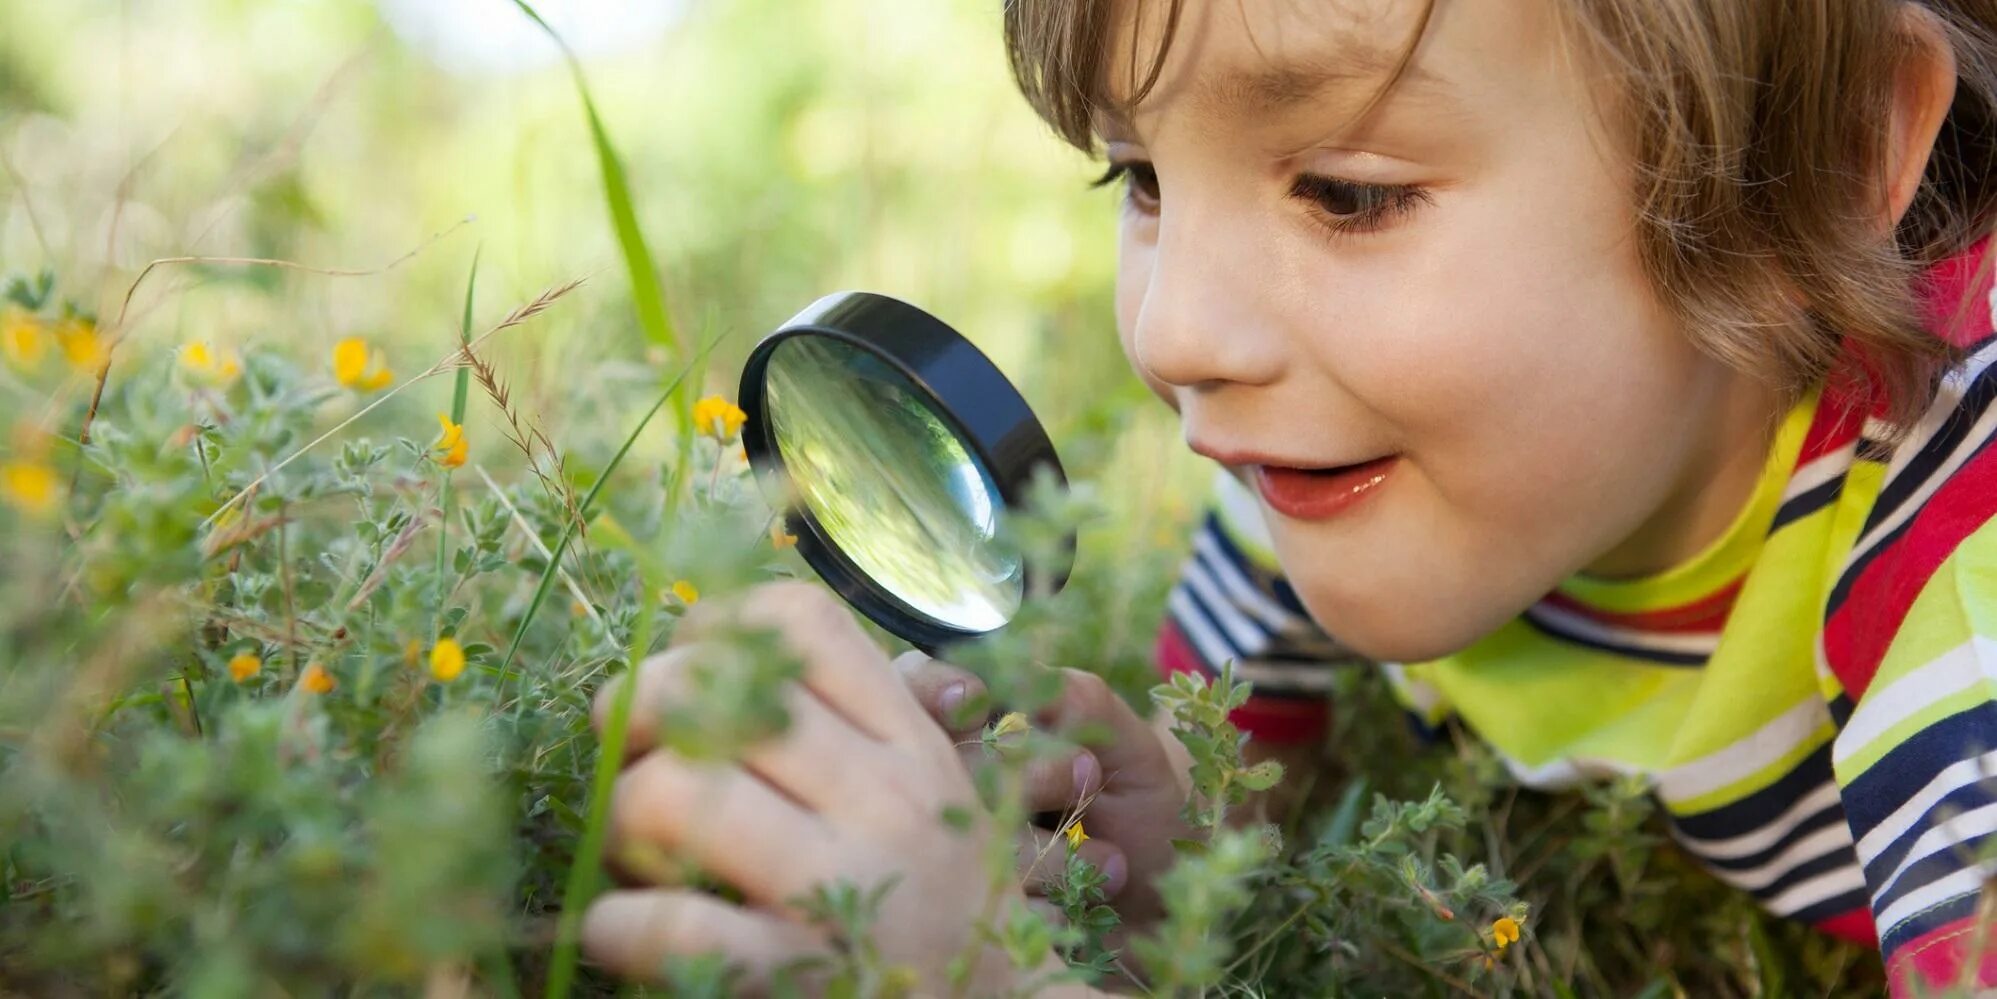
point(1198, 324)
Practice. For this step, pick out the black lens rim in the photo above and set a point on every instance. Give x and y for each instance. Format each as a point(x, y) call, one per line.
point(961, 384)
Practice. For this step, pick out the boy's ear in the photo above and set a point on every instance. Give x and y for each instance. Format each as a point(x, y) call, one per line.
point(1923, 89)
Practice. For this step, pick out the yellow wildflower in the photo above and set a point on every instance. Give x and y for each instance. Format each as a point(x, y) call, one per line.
point(316, 680)
point(1076, 837)
point(81, 345)
point(358, 366)
point(30, 486)
point(1012, 722)
point(243, 666)
point(1505, 932)
point(718, 418)
point(22, 338)
point(781, 539)
point(447, 660)
point(451, 446)
point(210, 364)
point(686, 592)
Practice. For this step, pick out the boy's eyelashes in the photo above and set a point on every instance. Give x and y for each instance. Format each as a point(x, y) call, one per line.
point(1342, 206)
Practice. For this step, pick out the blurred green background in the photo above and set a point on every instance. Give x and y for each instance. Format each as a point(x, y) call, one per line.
point(777, 151)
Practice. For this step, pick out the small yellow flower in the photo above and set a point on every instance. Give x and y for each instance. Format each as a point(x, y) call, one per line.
point(451, 446)
point(210, 364)
point(718, 418)
point(358, 366)
point(1076, 837)
point(22, 337)
point(447, 660)
point(30, 486)
point(316, 680)
point(81, 345)
point(243, 666)
point(1011, 723)
point(781, 539)
point(1505, 932)
point(686, 592)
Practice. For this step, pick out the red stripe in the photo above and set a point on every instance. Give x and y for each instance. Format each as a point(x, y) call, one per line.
point(1852, 926)
point(1707, 614)
point(1859, 631)
point(1936, 958)
point(1269, 719)
point(1955, 296)
point(1836, 423)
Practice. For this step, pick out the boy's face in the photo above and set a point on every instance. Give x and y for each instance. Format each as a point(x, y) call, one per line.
point(1445, 294)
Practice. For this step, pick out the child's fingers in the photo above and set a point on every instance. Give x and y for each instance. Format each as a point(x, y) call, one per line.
point(727, 822)
point(952, 696)
point(1043, 859)
point(1132, 758)
point(634, 932)
point(659, 679)
point(1060, 783)
point(822, 761)
point(841, 663)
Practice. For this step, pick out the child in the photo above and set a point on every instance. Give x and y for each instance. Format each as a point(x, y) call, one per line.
point(1622, 367)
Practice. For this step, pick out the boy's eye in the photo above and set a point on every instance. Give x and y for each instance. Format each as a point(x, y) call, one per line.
point(1141, 184)
point(1348, 207)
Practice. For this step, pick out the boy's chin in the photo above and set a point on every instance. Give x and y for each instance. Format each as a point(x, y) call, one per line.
point(1411, 632)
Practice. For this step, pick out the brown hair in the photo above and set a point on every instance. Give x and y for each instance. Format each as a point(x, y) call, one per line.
point(1757, 129)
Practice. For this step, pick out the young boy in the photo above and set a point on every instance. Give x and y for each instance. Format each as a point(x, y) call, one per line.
point(1621, 367)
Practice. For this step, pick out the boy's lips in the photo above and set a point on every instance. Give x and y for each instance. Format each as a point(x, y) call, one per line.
point(1321, 493)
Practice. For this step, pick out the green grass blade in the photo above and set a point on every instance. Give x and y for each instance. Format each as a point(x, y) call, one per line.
point(647, 296)
point(582, 510)
point(447, 497)
point(585, 870)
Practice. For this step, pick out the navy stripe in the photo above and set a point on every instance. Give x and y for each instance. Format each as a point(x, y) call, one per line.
point(1827, 815)
point(1929, 920)
point(1930, 869)
point(1918, 471)
point(1262, 633)
point(1837, 859)
point(1270, 583)
point(1841, 707)
point(1808, 502)
point(1912, 765)
point(1973, 795)
point(1661, 656)
point(1836, 905)
point(1763, 806)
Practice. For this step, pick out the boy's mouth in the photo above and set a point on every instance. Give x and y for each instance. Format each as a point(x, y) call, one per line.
point(1320, 493)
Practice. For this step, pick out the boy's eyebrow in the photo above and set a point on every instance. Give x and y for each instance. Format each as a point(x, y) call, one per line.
point(1275, 88)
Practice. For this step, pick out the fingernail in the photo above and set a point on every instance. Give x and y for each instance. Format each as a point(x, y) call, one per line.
point(1114, 873)
point(952, 698)
point(1087, 770)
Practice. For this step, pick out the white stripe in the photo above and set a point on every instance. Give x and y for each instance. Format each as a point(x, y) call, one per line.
point(1827, 885)
point(1766, 745)
point(1559, 619)
point(1211, 646)
point(1820, 470)
point(1564, 773)
point(1246, 638)
point(1245, 593)
point(1421, 694)
point(1967, 665)
point(1967, 881)
point(1295, 678)
point(1947, 400)
point(1948, 834)
point(1768, 835)
point(1953, 777)
point(1831, 839)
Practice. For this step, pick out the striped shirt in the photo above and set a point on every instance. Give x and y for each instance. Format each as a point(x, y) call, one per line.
point(1813, 697)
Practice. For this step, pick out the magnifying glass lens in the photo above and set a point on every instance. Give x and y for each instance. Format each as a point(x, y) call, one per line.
point(890, 484)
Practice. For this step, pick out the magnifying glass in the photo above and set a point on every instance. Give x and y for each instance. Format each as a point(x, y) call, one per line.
point(894, 448)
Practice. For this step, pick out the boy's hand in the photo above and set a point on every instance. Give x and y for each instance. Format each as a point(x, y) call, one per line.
point(855, 790)
point(1138, 781)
